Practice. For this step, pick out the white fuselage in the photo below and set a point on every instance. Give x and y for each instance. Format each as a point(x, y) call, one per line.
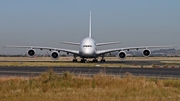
point(87, 48)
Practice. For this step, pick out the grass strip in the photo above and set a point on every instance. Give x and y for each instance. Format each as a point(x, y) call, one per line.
point(101, 87)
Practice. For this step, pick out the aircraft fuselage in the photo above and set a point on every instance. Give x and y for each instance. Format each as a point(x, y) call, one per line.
point(88, 48)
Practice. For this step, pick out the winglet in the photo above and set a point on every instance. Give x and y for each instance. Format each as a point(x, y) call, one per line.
point(90, 25)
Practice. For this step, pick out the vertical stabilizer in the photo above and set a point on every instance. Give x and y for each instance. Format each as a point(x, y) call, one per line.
point(90, 25)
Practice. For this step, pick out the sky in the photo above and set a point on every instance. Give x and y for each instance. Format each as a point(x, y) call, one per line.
point(47, 22)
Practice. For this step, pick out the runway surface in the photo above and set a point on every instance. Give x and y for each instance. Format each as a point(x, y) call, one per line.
point(34, 71)
point(130, 62)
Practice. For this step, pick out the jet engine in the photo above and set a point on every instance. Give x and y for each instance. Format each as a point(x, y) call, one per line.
point(55, 55)
point(146, 52)
point(31, 53)
point(122, 55)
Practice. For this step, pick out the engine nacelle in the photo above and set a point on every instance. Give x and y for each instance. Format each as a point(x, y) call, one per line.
point(31, 53)
point(55, 55)
point(122, 55)
point(146, 52)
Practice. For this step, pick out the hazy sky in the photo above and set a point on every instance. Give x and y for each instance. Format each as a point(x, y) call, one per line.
point(47, 22)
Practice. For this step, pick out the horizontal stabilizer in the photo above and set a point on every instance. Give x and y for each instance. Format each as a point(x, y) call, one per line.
point(70, 43)
point(107, 43)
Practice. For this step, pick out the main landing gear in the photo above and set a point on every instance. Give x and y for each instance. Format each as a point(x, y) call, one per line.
point(83, 60)
point(95, 60)
point(74, 60)
point(103, 60)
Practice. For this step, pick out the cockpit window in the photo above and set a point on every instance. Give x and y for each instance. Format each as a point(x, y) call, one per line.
point(87, 46)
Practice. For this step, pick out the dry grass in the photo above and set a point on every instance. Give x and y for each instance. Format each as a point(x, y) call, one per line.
point(101, 87)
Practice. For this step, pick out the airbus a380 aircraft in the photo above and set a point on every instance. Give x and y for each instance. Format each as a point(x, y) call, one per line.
point(88, 49)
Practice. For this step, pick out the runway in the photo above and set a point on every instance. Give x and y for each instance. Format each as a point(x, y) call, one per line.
point(34, 71)
point(130, 62)
point(127, 62)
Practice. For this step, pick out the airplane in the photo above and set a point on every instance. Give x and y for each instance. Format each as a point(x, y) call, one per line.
point(88, 49)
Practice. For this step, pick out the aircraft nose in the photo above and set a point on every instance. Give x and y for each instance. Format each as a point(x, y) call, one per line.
point(88, 51)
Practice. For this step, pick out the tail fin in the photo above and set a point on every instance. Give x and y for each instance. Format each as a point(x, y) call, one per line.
point(90, 25)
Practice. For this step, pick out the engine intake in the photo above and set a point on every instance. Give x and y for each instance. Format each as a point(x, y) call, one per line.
point(31, 53)
point(122, 54)
point(55, 55)
point(146, 52)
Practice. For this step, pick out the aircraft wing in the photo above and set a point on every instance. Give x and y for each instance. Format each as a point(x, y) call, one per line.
point(70, 43)
point(107, 43)
point(101, 52)
point(76, 52)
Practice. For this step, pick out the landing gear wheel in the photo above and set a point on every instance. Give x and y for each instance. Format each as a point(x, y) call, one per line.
point(83, 60)
point(103, 60)
point(95, 60)
point(74, 60)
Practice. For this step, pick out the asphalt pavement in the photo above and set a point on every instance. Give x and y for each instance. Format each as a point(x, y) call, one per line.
point(35, 71)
